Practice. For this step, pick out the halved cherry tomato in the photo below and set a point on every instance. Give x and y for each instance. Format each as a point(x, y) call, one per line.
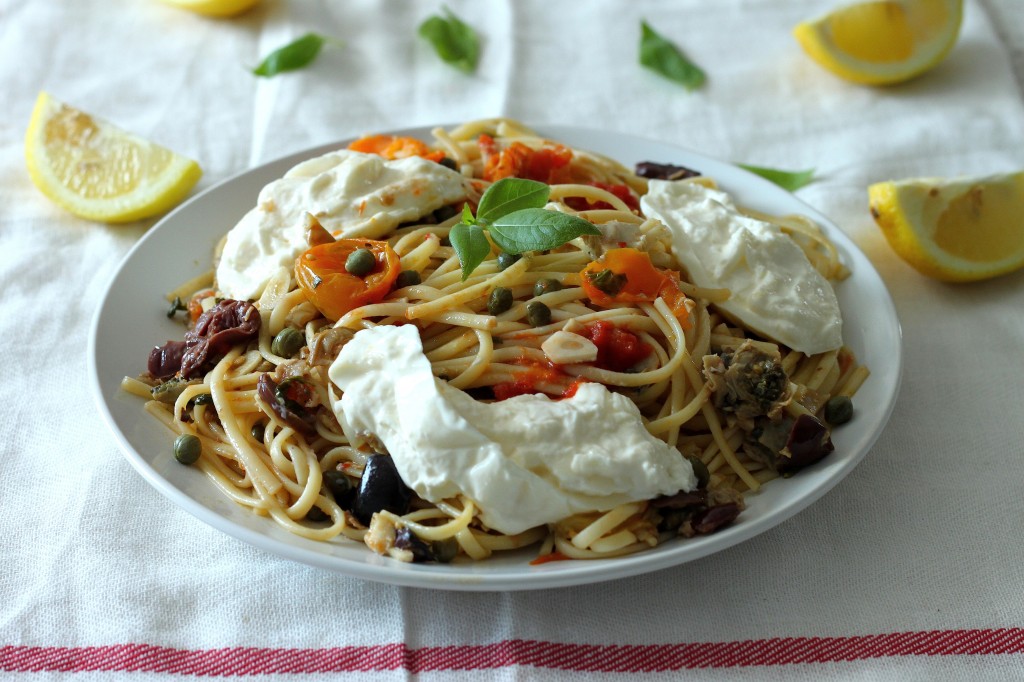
point(392, 147)
point(549, 164)
point(621, 191)
point(617, 349)
point(628, 276)
point(321, 274)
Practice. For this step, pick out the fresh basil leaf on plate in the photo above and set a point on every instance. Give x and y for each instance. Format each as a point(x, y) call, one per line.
point(295, 55)
point(537, 229)
point(454, 40)
point(662, 57)
point(787, 180)
point(471, 246)
point(511, 194)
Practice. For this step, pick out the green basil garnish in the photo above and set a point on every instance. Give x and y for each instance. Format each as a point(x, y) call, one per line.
point(788, 180)
point(471, 246)
point(295, 55)
point(536, 229)
point(664, 58)
point(454, 41)
point(511, 194)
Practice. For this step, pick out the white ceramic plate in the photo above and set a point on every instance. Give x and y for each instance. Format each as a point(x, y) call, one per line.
point(131, 320)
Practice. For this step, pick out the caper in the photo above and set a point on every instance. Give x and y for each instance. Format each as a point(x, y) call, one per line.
point(176, 305)
point(449, 162)
point(507, 259)
point(607, 281)
point(499, 301)
point(360, 262)
point(444, 550)
point(187, 448)
point(445, 213)
point(258, 430)
point(538, 314)
point(287, 342)
point(700, 470)
point(838, 410)
point(546, 286)
point(203, 399)
point(407, 278)
point(340, 487)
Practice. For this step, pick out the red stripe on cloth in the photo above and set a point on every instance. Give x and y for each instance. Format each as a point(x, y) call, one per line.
point(776, 651)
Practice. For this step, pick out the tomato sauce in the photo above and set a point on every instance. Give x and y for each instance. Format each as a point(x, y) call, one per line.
point(617, 349)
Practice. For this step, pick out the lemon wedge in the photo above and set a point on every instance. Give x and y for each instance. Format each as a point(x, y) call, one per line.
point(98, 171)
point(958, 230)
point(215, 8)
point(882, 42)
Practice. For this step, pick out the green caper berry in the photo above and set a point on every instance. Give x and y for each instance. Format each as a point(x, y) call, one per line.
point(538, 314)
point(176, 305)
point(360, 262)
point(546, 286)
point(187, 448)
point(444, 550)
point(700, 470)
point(338, 484)
point(258, 430)
point(203, 399)
point(407, 278)
point(499, 301)
point(507, 259)
point(287, 342)
point(838, 410)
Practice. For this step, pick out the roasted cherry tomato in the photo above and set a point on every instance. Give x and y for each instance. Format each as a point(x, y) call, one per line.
point(321, 274)
point(549, 164)
point(392, 147)
point(628, 276)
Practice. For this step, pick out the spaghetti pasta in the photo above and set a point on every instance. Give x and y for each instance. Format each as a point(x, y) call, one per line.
point(268, 421)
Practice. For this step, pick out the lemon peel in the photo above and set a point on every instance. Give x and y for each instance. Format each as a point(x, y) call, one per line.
point(882, 42)
point(957, 230)
point(98, 171)
point(214, 8)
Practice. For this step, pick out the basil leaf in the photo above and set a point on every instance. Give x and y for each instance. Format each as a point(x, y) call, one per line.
point(537, 229)
point(788, 180)
point(511, 194)
point(454, 41)
point(467, 215)
point(664, 58)
point(295, 55)
point(471, 246)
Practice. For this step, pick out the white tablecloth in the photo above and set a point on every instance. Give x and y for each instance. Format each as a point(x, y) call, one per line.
point(911, 568)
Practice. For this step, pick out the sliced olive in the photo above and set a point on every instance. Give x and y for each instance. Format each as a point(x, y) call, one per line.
point(187, 448)
point(700, 470)
point(360, 262)
point(538, 314)
point(380, 488)
point(546, 286)
point(449, 162)
point(499, 301)
point(316, 514)
point(341, 488)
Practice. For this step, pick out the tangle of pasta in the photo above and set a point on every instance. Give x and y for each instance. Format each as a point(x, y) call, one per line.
point(263, 462)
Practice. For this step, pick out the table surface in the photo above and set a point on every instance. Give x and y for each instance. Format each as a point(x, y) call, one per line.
point(909, 569)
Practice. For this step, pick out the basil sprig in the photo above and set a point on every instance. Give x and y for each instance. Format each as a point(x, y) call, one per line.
point(664, 58)
point(454, 40)
point(788, 180)
point(512, 214)
point(295, 55)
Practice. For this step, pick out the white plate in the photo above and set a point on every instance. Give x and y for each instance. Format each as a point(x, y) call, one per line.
point(131, 320)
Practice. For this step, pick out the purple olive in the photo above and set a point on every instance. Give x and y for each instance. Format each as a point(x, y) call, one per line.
point(380, 488)
point(809, 441)
point(407, 540)
point(714, 518)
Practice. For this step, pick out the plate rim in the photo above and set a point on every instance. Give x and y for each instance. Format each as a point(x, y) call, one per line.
point(553, 574)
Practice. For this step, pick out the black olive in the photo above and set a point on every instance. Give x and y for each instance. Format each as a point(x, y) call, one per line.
point(380, 488)
point(407, 540)
point(809, 441)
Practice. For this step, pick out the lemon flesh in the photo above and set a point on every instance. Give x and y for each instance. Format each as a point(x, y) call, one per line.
point(961, 229)
point(215, 8)
point(98, 171)
point(882, 42)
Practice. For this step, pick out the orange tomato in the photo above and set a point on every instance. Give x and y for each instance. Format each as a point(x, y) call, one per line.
point(628, 276)
point(321, 274)
point(392, 147)
point(549, 164)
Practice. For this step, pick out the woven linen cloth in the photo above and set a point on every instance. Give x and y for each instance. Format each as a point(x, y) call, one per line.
point(911, 568)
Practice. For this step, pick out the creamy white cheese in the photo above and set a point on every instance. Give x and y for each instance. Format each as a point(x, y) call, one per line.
point(350, 193)
point(525, 461)
point(776, 291)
